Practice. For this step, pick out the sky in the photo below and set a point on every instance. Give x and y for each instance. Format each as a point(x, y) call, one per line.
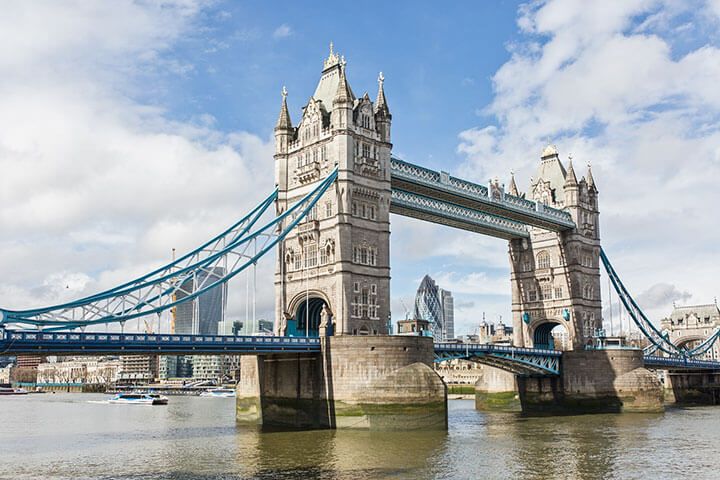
point(131, 128)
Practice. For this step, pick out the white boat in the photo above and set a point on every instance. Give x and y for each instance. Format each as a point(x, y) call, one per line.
point(218, 392)
point(12, 391)
point(139, 399)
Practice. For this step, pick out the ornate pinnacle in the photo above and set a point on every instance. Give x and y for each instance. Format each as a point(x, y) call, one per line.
point(333, 58)
point(284, 122)
point(590, 179)
point(381, 105)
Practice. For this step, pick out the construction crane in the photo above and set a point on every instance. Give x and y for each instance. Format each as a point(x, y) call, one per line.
point(407, 311)
point(148, 327)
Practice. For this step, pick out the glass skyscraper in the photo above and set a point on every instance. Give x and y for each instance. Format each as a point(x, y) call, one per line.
point(435, 305)
point(203, 314)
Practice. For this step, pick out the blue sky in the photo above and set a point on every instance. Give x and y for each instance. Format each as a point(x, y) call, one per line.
point(438, 62)
point(128, 128)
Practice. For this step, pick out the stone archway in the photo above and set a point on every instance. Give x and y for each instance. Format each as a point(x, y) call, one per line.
point(307, 316)
point(689, 341)
point(543, 337)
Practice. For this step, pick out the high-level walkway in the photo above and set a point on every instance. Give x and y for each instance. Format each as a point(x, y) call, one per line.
point(438, 197)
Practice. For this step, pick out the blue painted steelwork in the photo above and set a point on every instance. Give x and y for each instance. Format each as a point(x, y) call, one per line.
point(14, 342)
point(523, 361)
point(425, 208)
point(658, 340)
point(234, 250)
point(675, 363)
point(446, 188)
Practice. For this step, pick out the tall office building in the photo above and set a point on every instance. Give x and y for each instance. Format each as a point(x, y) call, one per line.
point(435, 305)
point(203, 314)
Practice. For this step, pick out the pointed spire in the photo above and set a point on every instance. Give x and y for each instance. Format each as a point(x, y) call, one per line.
point(381, 105)
point(284, 122)
point(513, 186)
point(570, 177)
point(343, 94)
point(332, 60)
point(590, 179)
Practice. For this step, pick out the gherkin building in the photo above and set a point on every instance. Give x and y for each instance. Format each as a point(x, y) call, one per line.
point(435, 305)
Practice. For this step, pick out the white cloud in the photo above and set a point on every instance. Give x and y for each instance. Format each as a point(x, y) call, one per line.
point(282, 31)
point(97, 186)
point(607, 82)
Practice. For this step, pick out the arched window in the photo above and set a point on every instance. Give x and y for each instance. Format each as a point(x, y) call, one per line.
point(543, 260)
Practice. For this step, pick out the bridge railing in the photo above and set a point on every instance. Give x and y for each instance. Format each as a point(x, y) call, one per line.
point(652, 361)
point(490, 348)
point(123, 338)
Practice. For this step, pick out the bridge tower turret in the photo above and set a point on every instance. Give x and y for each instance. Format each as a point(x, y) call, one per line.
point(556, 276)
point(333, 271)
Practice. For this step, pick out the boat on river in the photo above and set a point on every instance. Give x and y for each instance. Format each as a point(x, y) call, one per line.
point(139, 399)
point(219, 392)
point(13, 391)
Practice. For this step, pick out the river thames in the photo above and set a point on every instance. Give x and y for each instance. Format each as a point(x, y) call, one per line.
point(66, 436)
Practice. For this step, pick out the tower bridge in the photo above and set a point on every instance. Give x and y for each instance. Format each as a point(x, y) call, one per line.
point(332, 361)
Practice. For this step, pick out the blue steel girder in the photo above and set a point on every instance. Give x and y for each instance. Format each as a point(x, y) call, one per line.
point(677, 363)
point(34, 342)
point(428, 209)
point(521, 361)
point(211, 265)
point(446, 188)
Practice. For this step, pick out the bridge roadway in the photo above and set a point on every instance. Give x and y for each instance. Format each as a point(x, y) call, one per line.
point(515, 359)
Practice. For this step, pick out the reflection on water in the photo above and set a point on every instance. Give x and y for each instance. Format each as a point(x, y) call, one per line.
point(64, 436)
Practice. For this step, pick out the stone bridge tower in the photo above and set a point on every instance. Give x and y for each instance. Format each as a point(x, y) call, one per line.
point(333, 271)
point(556, 276)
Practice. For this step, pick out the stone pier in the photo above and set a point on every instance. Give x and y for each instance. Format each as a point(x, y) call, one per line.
point(591, 381)
point(368, 382)
point(692, 388)
point(497, 390)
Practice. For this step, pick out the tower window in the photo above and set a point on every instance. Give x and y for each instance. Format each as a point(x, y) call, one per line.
point(324, 256)
point(546, 291)
point(310, 255)
point(328, 210)
point(543, 260)
point(532, 295)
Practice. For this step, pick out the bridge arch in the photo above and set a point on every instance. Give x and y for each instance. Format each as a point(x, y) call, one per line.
point(306, 314)
point(690, 341)
point(542, 334)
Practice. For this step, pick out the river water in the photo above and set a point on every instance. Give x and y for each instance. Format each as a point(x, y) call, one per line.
point(64, 436)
